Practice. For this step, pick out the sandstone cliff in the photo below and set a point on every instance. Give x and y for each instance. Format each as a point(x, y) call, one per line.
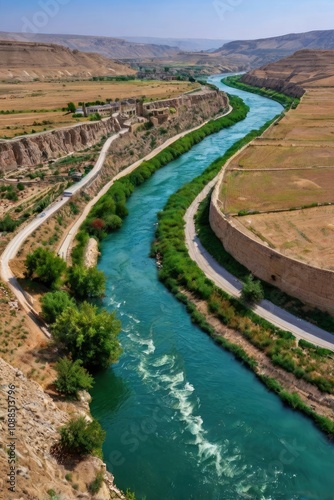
point(288, 88)
point(37, 471)
point(293, 74)
point(29, 151)
point(34, 149)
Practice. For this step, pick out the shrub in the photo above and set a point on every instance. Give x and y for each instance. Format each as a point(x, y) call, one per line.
point(72, 377)
point(89, 334)
point(95, 485)
point(86, 282)
point(252, 291)
point(80, 437)
point(46, 266)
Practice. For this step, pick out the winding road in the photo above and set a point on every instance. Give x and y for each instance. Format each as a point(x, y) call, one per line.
point(230, 284)
point(222, 278)
point(14, 245)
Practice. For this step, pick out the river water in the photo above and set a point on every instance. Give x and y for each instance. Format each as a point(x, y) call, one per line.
point(184, 419)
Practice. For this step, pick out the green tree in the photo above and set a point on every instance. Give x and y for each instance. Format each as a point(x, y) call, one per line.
point(71, 107)
point(89, 334)
point(82, 437)
point(252, 291)
point(72, 377)
point(54, 303)
point(86, 282)
point(46, 266)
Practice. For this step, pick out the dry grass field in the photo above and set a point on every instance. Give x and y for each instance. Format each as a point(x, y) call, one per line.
point(264, 154)
point(280, 190)
point(313, 120)
point(38, 105)
point(290, 167)
point(303, 234)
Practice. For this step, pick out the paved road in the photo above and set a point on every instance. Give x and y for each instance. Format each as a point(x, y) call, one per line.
point(15, 244)
point(226, 281)
point(64, 249)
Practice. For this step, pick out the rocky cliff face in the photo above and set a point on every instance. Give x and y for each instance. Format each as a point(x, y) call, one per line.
point(35, 149)
point(292, 75)
point(32, 150)
point(36, 471)
point(282, 86)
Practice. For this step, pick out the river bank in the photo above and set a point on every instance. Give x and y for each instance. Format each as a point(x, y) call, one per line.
point(175, 389)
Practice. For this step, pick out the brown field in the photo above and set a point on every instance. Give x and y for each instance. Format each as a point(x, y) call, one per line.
point(290, 166)
point(280, 190)
point(313, 120)
point(304, 234)
point(42, 101)
point(265, 154)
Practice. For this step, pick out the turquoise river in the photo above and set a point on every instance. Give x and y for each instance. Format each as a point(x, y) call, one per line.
point(184, 419)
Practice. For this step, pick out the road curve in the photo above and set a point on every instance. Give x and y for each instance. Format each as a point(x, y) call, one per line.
point(230, 284)
point(66, 244)
point(15, 244)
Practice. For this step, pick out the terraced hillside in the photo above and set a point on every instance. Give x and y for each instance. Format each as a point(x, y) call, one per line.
point(274, 206)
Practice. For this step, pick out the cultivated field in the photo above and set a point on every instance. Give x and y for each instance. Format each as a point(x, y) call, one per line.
point(38, 105)
point(291, 167)
point(280, 189)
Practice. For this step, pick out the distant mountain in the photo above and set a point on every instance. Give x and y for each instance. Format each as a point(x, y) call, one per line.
point(184, 44)
point(114, 48)
point(244, 55)
point(267, 49)
point(27, 61)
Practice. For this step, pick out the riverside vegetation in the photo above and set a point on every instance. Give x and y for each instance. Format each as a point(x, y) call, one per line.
point(286, 101)
point(85, 335)
point(108, 212)
point(179, 272)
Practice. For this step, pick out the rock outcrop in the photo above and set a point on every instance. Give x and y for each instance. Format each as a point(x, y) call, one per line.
point(36, 470)
point(35, 149)
point(293, 74)
point(288, 88)
point(32, 150)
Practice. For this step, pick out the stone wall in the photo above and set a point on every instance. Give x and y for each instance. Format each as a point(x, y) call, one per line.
point(309, 284)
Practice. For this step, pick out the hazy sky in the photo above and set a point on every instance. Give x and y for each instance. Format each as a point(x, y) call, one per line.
point(224, 19)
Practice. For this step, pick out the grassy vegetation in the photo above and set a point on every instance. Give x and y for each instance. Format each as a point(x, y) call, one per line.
point(108, 212)
point(286, 101)
point(179, 272)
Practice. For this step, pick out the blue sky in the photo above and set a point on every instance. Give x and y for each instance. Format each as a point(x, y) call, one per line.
point(224, 19)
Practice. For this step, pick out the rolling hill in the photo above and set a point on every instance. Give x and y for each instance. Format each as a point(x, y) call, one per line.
point(305, 68)
point(114, 48)
point(244, 55)
point(28, 61)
